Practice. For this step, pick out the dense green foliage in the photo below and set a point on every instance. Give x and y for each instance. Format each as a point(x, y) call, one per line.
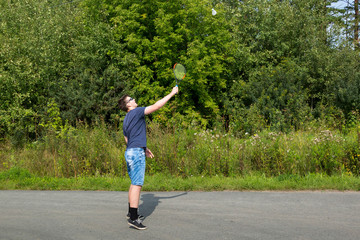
point(255, 64)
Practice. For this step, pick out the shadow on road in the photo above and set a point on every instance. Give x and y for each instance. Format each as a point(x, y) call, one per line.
point(150, 202)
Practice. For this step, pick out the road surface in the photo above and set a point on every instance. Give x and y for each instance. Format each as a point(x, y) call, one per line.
point(65, 215)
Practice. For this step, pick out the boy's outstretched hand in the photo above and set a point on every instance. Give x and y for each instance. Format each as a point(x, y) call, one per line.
point(174, 91)
point(148, 153)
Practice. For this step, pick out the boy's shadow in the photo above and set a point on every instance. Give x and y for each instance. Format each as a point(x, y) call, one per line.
point(150, 202)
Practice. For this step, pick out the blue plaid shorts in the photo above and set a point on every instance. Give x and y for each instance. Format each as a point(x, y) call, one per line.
point(135, 162)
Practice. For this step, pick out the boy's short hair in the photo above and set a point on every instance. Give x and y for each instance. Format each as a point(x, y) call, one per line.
point(122, 103)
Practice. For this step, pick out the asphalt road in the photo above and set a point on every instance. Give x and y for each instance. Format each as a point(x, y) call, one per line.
point(60, 215)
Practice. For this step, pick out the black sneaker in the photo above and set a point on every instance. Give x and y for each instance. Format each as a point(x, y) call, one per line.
point(136, 224)
point(141, 217)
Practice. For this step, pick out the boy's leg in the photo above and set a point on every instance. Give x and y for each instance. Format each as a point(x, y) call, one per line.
point(135, 159)
point(134, 195)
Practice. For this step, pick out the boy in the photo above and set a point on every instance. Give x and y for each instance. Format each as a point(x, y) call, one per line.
point(134, 129)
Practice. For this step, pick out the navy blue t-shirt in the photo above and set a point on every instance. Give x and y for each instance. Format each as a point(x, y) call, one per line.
point(134, 128)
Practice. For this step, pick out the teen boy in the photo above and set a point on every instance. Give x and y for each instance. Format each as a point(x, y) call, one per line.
point(134, 129)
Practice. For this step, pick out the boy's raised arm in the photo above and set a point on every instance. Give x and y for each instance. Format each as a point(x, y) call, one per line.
point(159, 104)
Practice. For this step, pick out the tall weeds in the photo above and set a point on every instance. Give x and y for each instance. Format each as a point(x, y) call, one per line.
point(74, 152)
point(85, 151)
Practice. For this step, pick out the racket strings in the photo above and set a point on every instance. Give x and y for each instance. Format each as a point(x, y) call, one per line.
point(179, 71)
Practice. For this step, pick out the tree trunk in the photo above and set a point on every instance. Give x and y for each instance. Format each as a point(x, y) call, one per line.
point(356, 24)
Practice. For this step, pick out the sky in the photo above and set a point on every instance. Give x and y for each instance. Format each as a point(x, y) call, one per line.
point(339, 4)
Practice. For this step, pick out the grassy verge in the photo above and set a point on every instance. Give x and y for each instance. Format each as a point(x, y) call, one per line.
point(85, 151)
point(19, 179)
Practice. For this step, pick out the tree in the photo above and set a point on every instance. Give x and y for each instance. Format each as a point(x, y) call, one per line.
point(160, 33)
point(51, 52)
point(351, 22)
point(254, 64)
point(356, 24)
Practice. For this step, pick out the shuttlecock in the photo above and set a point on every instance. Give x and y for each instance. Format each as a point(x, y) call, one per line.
point(213, 12)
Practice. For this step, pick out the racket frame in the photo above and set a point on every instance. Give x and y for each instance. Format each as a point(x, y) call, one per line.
point(178, 80)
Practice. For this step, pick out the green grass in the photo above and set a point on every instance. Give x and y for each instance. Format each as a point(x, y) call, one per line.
point(20, 179)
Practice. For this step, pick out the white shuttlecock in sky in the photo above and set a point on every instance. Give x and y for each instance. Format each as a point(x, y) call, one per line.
point(213, 12)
